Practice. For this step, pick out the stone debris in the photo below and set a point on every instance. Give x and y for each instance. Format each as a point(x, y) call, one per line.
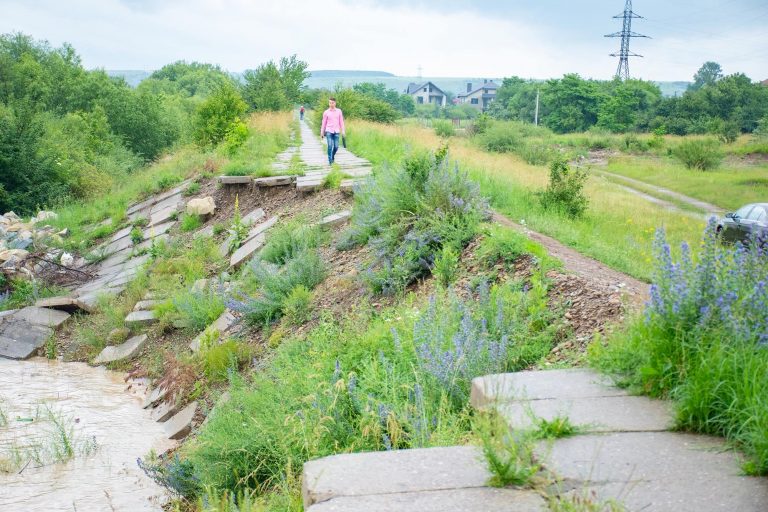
point(180, 425)
point(126, 350)
point(146, 305)
point(202, 206)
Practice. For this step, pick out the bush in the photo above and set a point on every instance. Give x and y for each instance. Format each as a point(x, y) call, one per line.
point(196, 310)
point(535, 153)
point(216, 116)
point(565, 191)
point(287, 241)
point(701, 154)
point(446, 266)
point(297, 305)
point(190, 222)
point(276, 283)
point(237, 134)
point(703, 331)
point(408, 214)
point(220, 359)
point(443, 128)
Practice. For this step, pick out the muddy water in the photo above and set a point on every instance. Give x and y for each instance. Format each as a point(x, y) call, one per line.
point(109, 431)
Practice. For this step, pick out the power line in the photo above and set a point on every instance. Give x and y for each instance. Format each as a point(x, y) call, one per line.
point(622, 71)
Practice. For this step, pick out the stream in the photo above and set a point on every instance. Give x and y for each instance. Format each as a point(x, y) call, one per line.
point(70, 435)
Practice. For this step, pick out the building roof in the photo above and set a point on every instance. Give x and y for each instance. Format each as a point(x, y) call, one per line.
point(486, 85)
point(414, 87)
point(764, 82)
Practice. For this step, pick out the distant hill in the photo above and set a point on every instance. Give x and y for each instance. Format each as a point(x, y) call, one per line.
point(329, 78)
point(347, 72)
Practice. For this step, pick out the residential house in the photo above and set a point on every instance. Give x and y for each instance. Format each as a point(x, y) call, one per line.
point(425, 93)
point(479, 97)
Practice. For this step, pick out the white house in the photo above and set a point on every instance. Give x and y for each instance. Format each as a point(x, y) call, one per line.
point(426, 93)
point(479, 97)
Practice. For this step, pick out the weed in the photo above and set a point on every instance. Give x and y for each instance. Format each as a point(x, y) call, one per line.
point(50, 347)
point(196, 310)
point(446, 267)
point(297, 305)
point(176, 475)
point(192, 189)
point(140, 222)
point(222, 358)
point(137, 236)
point(584, 501)
point(190, 222)
point(509, 454)
point(556, 428)
point(238, 230)
point(333, 178)
point(218, 229)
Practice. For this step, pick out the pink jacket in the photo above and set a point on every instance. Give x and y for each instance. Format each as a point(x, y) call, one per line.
point(333, 121)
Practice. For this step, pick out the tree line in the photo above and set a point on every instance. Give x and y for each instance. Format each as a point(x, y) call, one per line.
point(715, 104)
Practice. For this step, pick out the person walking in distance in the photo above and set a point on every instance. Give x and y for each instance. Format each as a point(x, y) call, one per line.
point(301, 113)
point(333, 125)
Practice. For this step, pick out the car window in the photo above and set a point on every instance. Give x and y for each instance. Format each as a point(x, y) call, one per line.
point(758, 214)
point(744, 211)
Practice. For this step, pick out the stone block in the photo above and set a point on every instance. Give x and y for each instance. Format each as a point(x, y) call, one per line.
point(125, 350)
point(399, 471)
point(163, 411)
point(247, 250)
point(154, 396)
point(64, 303)
point(537, 385)
point(336, 218)
point(481, 499)
point(140, 318)
point(146, 305)
point(235, 180)
point(181, 424)
point(20, 339)
point(274, 181)
point(42, 316)
point(657, 471)
point(221, 324)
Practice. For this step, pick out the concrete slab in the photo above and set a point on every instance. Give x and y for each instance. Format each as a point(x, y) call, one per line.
point(537, 385)
point(20, 339)
point(42, 316)
point(64, 303)
point(262, 228)
point(400, 471)
point(221, 324)
point(125, 350)
point(91, 299)
point(140, 318)
point(146, 305)
point(154, 396)
point(597, 414)
point(235, 180)
point(275, 181)
point(181, 424)
point(482, 499)
point(308, 185)
point(164, 215)
point(247, 250)
point(336, 219)
point(657, 472)
point(254, 216)
point(164, 411)
point(121, 233)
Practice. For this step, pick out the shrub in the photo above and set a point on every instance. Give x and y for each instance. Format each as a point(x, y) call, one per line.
point(701, 154)
point(501, 138)
point(565, 191)
point(446, 266)
point(275, 284)
point(296, 305)
point(196, 310)
point(216, 115)
point(222, 358)
point(192, 189)
point(237, 134)
point(535, 153)
point(286, 241)
point(409, 213)
point(137, 236)
point(443, 128)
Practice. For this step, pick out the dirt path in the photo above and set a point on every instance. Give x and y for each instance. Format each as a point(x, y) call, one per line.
point(592, 270)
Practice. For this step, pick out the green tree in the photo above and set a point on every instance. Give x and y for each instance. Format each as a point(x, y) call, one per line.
point(570, 104)
point(709, 73)
point(217, 114)
point(275, 87)
point(629, 105)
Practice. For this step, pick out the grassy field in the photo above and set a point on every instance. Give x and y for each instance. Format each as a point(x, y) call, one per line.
point(617, 229)
point(730, 186)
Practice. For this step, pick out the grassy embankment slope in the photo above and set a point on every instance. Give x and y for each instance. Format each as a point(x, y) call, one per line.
point(617, 229)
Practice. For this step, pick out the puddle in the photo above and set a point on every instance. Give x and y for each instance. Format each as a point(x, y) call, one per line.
point(53, 411)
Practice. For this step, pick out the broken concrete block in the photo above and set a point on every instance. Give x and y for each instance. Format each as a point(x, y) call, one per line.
point(125, 350)
point(181, 424)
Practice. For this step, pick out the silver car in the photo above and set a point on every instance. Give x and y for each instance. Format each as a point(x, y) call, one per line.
point(746, 222)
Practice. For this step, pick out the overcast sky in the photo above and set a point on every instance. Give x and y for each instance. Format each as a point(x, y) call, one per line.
point(494, 38)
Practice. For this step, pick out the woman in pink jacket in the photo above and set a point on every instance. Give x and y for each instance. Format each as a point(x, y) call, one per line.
point(333, 125)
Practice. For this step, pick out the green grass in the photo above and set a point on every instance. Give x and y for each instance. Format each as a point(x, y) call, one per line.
point(731, 186)
point(617, 228)
point(190, 222)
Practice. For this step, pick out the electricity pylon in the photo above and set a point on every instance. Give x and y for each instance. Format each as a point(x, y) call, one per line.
point(626, 34)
